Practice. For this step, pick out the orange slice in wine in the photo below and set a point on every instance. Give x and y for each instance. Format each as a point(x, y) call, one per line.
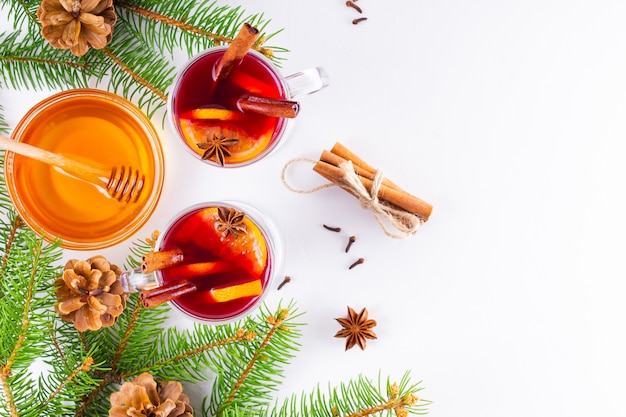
point(233, 292)
point(197, 131)
point(211, 113)
point(249, 83)
point(248, 251)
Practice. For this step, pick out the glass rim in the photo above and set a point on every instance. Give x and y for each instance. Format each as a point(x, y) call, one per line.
point(156, 151)
point(270, 234)
point(279, 134)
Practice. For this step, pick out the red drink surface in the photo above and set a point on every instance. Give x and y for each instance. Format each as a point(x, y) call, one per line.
point(196, 235)
point(197, 90)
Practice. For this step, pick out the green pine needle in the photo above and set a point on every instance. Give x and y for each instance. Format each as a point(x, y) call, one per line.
point(191, 26)
point(23, 14)
point(33, 64)
point(137, 72)
point(4, 126)
point(358, 397)
point(249, 374)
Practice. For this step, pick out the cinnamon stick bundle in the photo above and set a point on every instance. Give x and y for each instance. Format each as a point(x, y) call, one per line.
point(328, 167)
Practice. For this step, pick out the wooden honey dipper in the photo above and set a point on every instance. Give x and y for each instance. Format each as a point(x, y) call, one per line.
point(124, 184)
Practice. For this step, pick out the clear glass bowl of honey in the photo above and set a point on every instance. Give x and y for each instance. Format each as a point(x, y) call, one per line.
point(86, 125)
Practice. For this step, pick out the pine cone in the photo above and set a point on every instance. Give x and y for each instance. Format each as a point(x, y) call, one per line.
point(77, 24)
point(90, 294)
point(143, 397)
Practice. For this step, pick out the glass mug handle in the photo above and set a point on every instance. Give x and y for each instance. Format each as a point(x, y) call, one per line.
point(136, 280)
point(307, 82)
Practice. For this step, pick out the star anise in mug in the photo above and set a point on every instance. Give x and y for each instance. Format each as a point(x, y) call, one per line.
point(356, 328)
point(231, 222)
point(217, 148)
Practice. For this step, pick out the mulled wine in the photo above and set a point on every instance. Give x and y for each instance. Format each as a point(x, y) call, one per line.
point(207, 116)
point(228, 256)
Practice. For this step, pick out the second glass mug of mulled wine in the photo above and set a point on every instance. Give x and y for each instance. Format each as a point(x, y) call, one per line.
point(237, 119)
point(215, 262)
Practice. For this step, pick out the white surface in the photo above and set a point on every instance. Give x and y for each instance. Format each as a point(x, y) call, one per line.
point(509, 118)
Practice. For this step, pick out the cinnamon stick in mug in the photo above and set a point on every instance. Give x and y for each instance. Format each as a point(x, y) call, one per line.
point(154, 261)
point(269, 106)
point(239, 47)
point(159, 295)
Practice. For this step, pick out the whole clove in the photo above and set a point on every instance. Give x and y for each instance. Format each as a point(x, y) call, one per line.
point(351, 240)
point(285, 281)
point(354, 6)
point(332, 229)
point(359, 20)
point(357, 262)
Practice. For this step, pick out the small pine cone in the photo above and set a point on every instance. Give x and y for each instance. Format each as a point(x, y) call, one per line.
point(77, 24)
point(144, 397)
point(90, 294)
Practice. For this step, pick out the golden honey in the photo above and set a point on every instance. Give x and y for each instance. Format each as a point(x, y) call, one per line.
point(88, 125)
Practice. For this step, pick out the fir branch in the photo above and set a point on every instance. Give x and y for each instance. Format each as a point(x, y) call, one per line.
point(276, 323)
point(32, 63)
point(14, 223)
point(9, 400)
point(27, 268)
point(359, 397)
point(192, 25)
point(67, 382)
point(135, 76)
point(187, 355)
point(23, 12)
point(131, 340)
point(6, 209)
point(139, 248)
point(136, 72)
point(25, 316)
point(4, 126)
point(131, 337)
point(57, 346)
point(24, 307)
point(83, 367)
point(249, 374)
point(127, 335)
point(174, 356)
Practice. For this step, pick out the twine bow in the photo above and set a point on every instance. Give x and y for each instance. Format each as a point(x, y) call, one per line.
point(404, 222)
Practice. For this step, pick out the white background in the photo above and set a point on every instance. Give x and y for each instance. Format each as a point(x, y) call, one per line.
point(508, 117)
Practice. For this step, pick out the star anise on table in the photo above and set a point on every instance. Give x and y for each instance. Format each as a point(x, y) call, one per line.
point(217, 147)
point(356, 328)
point(231, 222)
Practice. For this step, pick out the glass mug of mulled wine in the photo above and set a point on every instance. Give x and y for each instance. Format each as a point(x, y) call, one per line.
point(236, 120)
point(215, 262)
